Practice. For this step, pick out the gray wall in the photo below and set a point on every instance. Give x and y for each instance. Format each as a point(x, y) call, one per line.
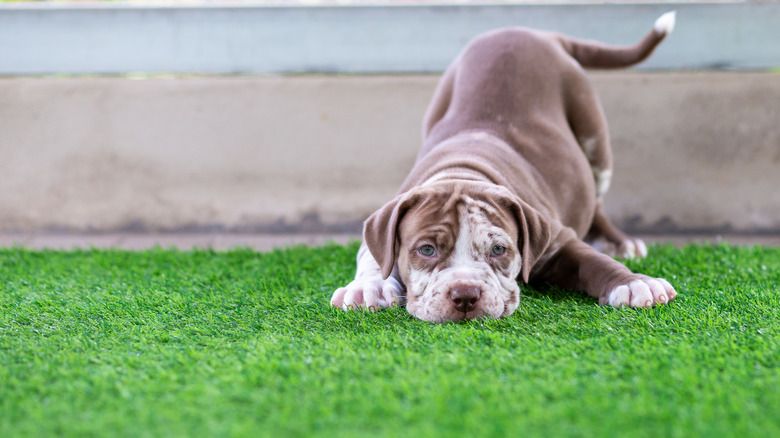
point(695, 150)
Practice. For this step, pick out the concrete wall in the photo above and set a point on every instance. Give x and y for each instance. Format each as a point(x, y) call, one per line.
point(693, 151)
point(374, 36)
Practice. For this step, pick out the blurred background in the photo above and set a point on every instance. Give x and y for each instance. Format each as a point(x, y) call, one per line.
point(294, 120)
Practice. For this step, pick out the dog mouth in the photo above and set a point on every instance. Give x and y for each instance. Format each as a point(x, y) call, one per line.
point(450, 314)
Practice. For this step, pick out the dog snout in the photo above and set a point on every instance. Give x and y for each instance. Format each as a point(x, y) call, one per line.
point(465, 297)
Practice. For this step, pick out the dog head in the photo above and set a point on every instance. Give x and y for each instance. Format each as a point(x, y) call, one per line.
point(460, 248)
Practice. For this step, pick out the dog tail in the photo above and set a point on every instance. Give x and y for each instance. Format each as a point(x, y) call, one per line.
point(592, 54)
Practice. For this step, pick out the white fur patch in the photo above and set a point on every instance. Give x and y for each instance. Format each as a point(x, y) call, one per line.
point(603, 180)
point(469, 266)
point(645, 292)
point(464, 256)
point(641, 248)
point(665, 23)
point(632, 248)
point(368, 290)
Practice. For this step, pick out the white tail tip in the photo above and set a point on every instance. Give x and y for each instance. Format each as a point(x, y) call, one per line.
point(665, 23)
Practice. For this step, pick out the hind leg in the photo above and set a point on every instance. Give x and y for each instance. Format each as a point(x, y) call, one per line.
point(608, 239)
point(589, 126)
point(587, 121)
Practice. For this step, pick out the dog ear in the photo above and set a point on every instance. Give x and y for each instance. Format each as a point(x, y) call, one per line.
point(380, 230)
point(535, 234)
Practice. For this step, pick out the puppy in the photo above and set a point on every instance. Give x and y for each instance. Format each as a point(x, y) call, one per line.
point(508, 186)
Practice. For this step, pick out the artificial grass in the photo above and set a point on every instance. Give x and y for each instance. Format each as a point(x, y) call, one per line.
point(239, 343)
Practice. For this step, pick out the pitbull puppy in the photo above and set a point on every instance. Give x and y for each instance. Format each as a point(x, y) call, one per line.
point(508, 186)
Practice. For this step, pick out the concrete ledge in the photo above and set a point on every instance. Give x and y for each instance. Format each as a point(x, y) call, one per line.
point(693, 151)
point(268, 242)
point(182, 241)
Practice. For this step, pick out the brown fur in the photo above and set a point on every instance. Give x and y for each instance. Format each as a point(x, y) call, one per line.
point(514, 124)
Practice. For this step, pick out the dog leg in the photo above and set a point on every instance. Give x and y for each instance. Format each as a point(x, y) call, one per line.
point(587, 121)
point(589, 125)
point(580, 267)
point(369, 290)
point(608, 239)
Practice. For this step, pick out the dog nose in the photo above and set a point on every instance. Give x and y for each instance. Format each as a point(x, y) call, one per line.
point(465, 298)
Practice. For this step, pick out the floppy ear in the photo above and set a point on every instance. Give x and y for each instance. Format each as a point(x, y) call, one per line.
point(536, 235)
point(381, 228)
point(534, 232)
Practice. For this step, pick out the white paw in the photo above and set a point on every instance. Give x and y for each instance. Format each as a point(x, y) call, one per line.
point(645, 292)
point(627, 249)
point(632, 248)
point(372, 293)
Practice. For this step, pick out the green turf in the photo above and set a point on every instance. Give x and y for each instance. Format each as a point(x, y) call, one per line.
point(200, 343)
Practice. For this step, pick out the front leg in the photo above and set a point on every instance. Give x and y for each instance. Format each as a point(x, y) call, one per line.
point(580, 267)
point(369, 290)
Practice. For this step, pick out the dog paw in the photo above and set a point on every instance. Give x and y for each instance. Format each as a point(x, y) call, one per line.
point(632, 248)
point(644, 292)
point(372, 294)
point(625, 249)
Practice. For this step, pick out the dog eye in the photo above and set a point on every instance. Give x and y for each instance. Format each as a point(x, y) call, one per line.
point(498, 250)
point(427, 250)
